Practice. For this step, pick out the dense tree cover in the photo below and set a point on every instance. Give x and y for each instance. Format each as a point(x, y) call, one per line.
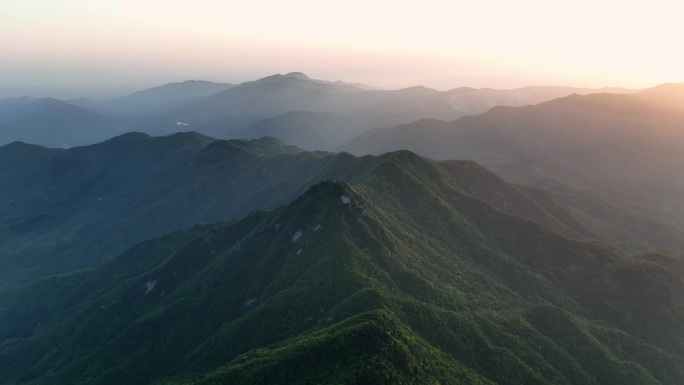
point(413, 274)
point(62, 210)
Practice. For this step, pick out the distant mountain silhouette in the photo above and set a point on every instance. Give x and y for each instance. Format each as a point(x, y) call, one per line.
point(617, 146)
point(275, 95)
point(161, 99)
point(670, 93)
point(358, 85)
point(86, 104)
point(53, 123)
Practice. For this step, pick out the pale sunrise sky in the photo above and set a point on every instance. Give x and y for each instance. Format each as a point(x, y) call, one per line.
point(392, 44)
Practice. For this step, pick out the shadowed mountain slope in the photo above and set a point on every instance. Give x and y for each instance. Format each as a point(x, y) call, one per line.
point(403, 277)
point(164, 98)
point(275, 95)
point(215, 109)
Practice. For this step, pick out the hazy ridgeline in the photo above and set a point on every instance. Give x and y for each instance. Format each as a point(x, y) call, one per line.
point(250, 248)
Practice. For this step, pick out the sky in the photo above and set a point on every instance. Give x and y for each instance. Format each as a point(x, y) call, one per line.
point(390, 44)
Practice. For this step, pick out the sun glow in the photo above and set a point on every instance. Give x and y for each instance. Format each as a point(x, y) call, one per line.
point(397, 43)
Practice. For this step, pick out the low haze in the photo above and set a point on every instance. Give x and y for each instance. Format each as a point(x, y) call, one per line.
point(442, 44)
point(311, 192)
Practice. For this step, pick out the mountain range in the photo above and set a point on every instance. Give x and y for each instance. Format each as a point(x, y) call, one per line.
point(225, 110)
point(405, 276)
point(620, 147)
point(278, 94)
point(242, 253)
point(61, 210)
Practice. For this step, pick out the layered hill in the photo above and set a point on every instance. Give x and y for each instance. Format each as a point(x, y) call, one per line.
point(53, 123)
point(278, 94)
point(62, 210)
point(620, 147)
point(223, 110)
point(275, 95)
point(162, 99)
point(65, 209)
point(406, 276)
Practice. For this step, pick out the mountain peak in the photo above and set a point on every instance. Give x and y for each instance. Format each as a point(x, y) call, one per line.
point(669, 86)
point(193, 81)
point(120, 143)
point(298, 75)
point(292, 77)
point(421, 89)
point(328, 192)
point(268, 146)
point(186, 85)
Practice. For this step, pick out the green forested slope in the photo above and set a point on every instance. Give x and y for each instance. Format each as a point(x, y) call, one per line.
point(406, 276)
point(62, 210)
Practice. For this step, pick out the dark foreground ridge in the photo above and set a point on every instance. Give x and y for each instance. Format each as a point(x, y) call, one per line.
point(411, 275)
